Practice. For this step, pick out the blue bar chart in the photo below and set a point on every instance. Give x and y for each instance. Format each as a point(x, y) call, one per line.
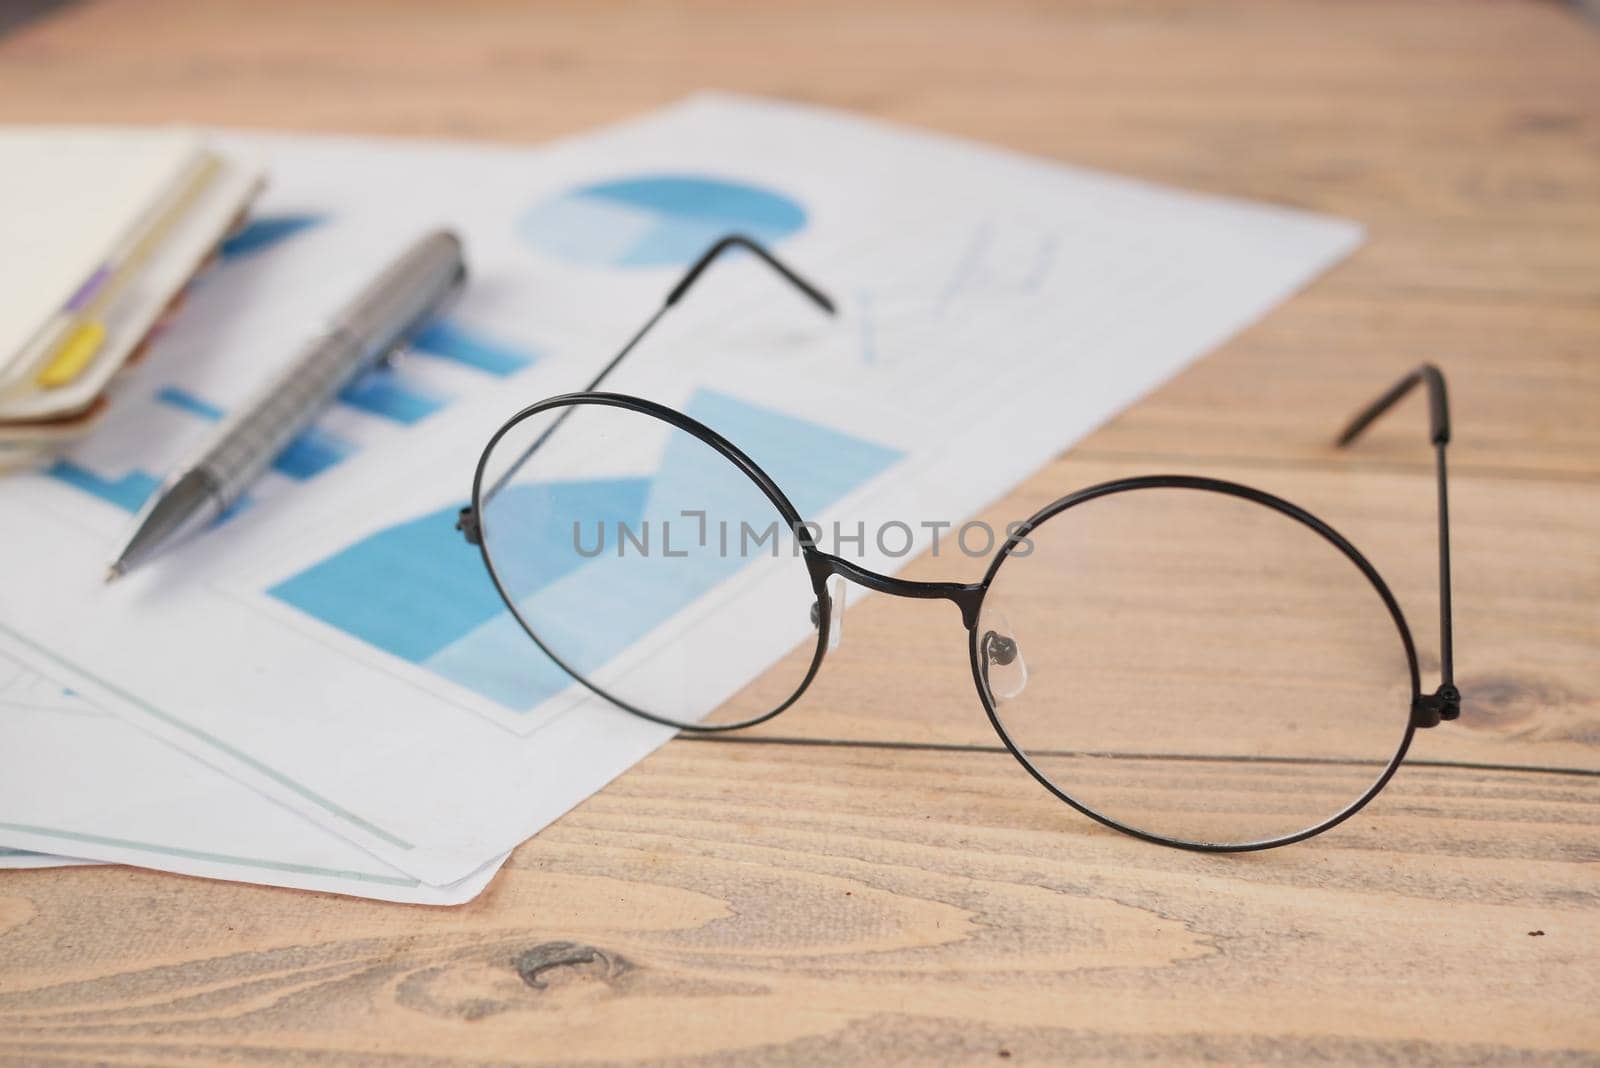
point(416, 590)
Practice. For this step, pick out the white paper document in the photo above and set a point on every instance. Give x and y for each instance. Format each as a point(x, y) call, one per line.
point(336, 645)
point(82, 781)
point(26, 858)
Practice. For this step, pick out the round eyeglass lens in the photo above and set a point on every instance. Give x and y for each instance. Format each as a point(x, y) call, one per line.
point(1195, 666)
point(648, 567)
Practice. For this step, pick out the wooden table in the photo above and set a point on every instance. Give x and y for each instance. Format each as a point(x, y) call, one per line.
point(873, 882)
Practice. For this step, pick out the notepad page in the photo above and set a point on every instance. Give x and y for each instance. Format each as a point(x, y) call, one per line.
point(127, 320)
point(68, 197)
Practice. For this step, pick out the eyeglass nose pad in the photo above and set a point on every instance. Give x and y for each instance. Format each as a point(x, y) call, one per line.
point(1005, 672)
point(835, 596)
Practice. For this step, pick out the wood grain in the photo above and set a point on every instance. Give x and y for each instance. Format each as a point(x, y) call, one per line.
point(868, 879)
point(735, 903)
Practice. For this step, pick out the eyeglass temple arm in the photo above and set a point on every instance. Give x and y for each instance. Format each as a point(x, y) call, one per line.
point(731, 241)
point(1445, 703)
point(467, 521)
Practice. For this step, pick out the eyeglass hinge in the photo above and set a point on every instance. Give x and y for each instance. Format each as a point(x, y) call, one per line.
point(1430, 708)
point(467, 523)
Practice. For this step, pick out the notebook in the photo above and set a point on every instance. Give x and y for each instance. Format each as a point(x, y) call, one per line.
point(103, 228)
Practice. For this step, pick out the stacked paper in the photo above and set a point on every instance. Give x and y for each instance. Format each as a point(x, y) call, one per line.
point(241, 711)
point(102, 228)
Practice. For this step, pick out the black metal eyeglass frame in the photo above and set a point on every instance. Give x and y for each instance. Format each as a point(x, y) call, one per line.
point(986, 648)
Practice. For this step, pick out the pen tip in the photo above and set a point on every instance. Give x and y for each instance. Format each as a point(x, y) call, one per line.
point(113, 573)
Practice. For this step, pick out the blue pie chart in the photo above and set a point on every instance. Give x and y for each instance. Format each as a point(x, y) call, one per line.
point(655, 220)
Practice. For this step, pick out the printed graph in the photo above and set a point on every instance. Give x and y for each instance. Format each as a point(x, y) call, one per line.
point(656, 220)
point(419, 592)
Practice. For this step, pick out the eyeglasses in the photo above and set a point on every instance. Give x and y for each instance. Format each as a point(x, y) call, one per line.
point(1188, 660)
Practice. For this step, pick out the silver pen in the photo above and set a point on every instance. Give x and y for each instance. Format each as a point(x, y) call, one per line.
point(392, 307)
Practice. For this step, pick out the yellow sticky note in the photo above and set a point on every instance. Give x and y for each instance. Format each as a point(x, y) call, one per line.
point(73, 356)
